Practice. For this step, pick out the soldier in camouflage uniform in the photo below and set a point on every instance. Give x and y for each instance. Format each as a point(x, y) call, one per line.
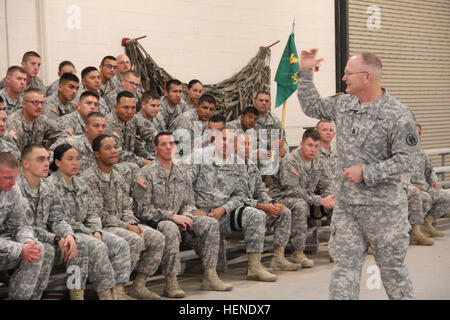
point(123, 66)
point(60, 103)
point(108, 68)
point(59, 242)
point(116, 211)
point(164, 199)
point(328, 154)
point(19, 249)
point(193, 93)
point(301, 174)
point(74, 123)
point(172, 104)
point(110, 264)
point(220, 187)
point(64, 67)
point(124, 128)
point(12, 93)
point(376, 136)
point(130, 82)
point(6, 141)
point(90, 80)
point(425, 179)
point(28, 125)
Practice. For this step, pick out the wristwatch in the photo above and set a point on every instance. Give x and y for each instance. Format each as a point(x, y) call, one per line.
point(57, 238)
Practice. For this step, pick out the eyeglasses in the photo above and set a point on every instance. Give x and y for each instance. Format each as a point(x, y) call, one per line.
point(132, 83)
point(109, 66)
point(347, 74)
point(35, 102)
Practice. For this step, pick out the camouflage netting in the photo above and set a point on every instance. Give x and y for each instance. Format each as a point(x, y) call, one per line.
point(233, 94)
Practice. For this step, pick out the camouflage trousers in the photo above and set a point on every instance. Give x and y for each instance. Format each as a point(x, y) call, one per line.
point(109, 260)
point(440, 204)
point(385, 229)
point(415, 204)
point(52, 256)
point(299, 220)
point(253, 222)
point(146, 250)
point(204, 238)
point(25, 277)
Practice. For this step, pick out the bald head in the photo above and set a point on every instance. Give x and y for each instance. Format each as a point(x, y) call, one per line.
point(123, 63)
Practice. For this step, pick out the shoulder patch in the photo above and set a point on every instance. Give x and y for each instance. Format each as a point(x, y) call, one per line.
point(411, 140)
point(294, 171)
point(13, 134)
point(142, 182)
point(116, 134)
point(55, 111)
point(70, 131)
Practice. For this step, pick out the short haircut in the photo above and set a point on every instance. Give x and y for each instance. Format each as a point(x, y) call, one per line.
point(65, 63)
point(131, 72)
point(207, 98)
point(250, 110)
point(27, 55)
point(93, 115)
point(13, 69)
point(66, 77)
point(174, 82)
point(371, 60)
point(89, 93)
point(218, 118)
point(1, 99)
point(97, 142)
point(108, 58)
point(192, 82)
point(29, 149)
point(164, 133)
point(311, 133)
point(8, 160)
point(147, 95)
point(87, 70)
point(58, 154)
point(126, 94)
point(262, 92)
point(32, 90)
point(321, 121)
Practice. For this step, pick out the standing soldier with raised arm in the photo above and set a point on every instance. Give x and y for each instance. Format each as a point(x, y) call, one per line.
point(376, 135)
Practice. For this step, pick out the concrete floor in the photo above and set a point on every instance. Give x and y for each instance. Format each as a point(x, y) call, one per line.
point(429, 269)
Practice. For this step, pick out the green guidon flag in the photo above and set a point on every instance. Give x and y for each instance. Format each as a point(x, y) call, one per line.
point(286, 77)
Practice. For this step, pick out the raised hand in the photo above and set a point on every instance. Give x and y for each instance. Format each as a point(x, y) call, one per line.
point(308, 59)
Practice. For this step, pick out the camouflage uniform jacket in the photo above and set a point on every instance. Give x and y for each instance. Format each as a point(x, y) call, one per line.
point(111, 197)
point(257, 191)
point(294, 180)
point(76, 200)
point(71, 123)
point(157, 196)
point(189, 121)
point(423, 173)
point(15, 222)
point(381, 137)
point(7, 145)
point(107, 87)
point(329, 157)
point(271, 122)
point(84, 148)
point(145, 149)
point(37, 132)
point(47, 211)
point(54, 109)
point(169, 114)
point(11, 105)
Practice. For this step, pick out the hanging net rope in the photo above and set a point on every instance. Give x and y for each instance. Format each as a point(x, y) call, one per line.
point(233, 94)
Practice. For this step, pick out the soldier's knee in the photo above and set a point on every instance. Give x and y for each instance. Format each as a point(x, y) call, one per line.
point(257, 217)
point(208, 221)
point(169, 229)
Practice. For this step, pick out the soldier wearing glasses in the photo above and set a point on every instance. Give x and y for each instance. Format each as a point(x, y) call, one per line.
point(130, 82)
point(108, 69)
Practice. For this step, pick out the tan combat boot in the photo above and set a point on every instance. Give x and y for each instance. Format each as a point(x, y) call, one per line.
point(279, 262)
point(212, 282)
point(256, 270)
point(118, 293)
point(140, 291)
point(36, 297)
point(417, 237)
point(105, 295)
point(76, 294)
point(428, 228)
point(299, 257)
point(172, 289)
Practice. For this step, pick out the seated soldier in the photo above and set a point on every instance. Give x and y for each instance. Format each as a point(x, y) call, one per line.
point(220, 187)
point(108, 69)
point(6, 142)
point(246, 121)
point(300, 174)
point(28, 125)
point(31, 62)
point(59, 241)
point(12, 93)
point(111, 193)
point(164, 199)
point(21, 252)
point(110, 266)
point(64, 67)
point(122, 125)
point(172, 104)
point(278, 216)
point(130, 82)
point(193, 93)
point(90, 79)
point(149, 117)
point(74, 123)
point(123, 66)
point(326, 130)
point(192, 123)
point(60, 103)
point(216, 124)
point(425, 179)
